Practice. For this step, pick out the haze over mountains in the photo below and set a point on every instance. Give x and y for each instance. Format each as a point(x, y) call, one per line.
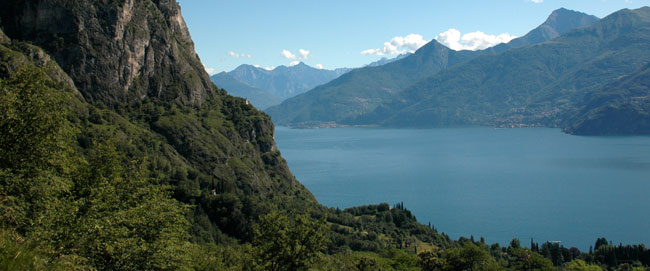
point(540, 85)
point(270, 87)
point(353, 98)
point(258, 97)
point(265, 88)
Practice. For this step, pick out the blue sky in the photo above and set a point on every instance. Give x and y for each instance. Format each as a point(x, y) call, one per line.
point(334, 33)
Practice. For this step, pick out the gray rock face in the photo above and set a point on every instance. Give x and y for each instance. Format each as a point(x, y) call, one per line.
point(115, 51)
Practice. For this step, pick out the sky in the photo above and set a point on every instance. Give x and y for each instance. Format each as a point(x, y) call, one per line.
point(351, 33)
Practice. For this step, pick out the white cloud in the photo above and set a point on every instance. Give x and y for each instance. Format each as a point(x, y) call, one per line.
point(318, 66)
point(537, 1)
point(238, 55)
point(478, 40)
point(287, 54)
point(266, 68)
point(210, 71)
point(294, 63)
point(398, 45)
point(302, 54)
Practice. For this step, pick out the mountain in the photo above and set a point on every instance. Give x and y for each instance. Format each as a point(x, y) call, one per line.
point(361, 91)
point(259, 98)
point(122, 56)
point(619, 108)
point(284, 81)
point(118, 155)
point(539, 85)
point(559, 22)
point(385, 60)
point(143, 88)
point(134, 177)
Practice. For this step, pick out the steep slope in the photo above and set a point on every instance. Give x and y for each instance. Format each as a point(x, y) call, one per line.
point(145, 89)
point(261, 99)
point(218, 158)
point(284, 81)
point(104, 200)
point(535, 85)
point(619, 108)
point(362, 90)
point(115, 52)
point(559, 22)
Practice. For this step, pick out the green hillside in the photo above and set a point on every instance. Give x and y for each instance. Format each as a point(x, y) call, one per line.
point(619, 108)
point(362, 90)
point(536, 85)
point(175, 174)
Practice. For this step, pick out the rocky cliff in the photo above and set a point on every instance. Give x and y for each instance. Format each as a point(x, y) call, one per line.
point(140, 85)
point(115, 51)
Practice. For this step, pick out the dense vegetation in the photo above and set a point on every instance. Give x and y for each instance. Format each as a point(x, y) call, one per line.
point(171, 183)
point(81, 204)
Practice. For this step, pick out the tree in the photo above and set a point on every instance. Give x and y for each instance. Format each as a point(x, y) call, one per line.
point(36, 140)
point(580, 265)
point(525, 259)
point(469, 257)
point(600, 242)
point(431, 260)
point(94, 207)
point(284, 243)
point(515, 243)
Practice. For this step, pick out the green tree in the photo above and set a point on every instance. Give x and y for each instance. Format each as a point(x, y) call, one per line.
point(125, 220)
point(580, 265)
point(284, 243)
point(469, 257)
point(525, 259)
point(515, 243)
point(35, 161)
point(431, 260)
point(96, 207)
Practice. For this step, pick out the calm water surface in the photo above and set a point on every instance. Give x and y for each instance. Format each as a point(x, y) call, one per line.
point(497, 183)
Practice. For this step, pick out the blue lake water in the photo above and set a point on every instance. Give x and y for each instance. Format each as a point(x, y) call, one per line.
point(497, 183)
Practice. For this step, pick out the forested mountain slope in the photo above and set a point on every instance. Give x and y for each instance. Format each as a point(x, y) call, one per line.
point(362, 90)
point(537, 85)
point(143, 172)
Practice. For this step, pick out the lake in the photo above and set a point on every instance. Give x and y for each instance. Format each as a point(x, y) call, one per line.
point(497, 183)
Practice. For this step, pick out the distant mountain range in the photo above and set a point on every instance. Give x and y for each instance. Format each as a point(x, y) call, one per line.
point(591, 80)
point(265, 88)
point(621, 107)
point(361, 91)
point(283, 81)
point(559, 22)
point(385, 60)
point(258, 97)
